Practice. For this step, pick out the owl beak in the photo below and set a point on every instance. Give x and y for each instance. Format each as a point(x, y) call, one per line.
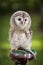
point(22, 23)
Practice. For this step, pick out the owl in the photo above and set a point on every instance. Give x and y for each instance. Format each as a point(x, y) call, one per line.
point(19, 32)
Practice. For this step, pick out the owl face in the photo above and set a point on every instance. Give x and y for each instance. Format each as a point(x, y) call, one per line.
point(22, 19)
point(21, 22)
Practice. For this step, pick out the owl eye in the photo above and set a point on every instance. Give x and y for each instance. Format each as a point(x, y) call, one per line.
point(25, 20)
point(19, 19)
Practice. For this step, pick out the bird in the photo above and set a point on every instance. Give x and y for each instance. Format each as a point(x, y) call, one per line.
point(19, 32)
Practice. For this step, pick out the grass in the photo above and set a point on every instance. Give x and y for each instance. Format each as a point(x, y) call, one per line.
point(37, 40)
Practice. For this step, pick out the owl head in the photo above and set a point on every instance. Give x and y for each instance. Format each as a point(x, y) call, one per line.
point(21, 20)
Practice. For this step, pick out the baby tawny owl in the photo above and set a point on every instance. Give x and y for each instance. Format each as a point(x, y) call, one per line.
point(19, 33)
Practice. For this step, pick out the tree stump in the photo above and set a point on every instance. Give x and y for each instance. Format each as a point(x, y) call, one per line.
point(21, 57)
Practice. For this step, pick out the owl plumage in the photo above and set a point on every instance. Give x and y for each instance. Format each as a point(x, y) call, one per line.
point(19, 33)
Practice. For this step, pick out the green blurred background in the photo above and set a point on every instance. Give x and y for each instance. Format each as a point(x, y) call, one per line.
point(35, 9)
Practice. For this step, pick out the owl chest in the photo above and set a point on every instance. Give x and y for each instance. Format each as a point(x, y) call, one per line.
point(20, 37)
